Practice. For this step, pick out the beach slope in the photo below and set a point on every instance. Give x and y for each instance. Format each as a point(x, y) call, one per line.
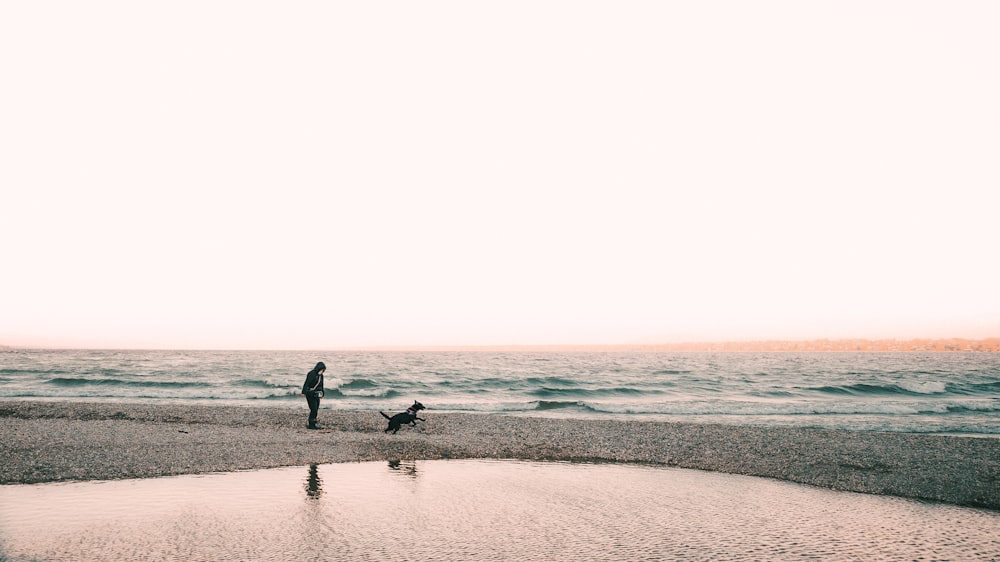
point(57, 441)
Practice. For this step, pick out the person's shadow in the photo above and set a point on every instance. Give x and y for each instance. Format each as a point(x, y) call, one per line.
point(313, 485)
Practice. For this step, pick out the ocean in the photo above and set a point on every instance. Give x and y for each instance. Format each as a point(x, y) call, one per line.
point(952, 393)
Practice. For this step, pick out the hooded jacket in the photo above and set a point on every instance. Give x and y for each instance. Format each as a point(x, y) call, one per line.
point(314, 381)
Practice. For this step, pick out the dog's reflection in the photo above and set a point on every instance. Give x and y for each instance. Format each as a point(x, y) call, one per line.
point(404, 468)
point(313, 485)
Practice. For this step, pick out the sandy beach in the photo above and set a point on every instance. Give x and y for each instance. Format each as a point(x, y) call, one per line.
point(64, 441)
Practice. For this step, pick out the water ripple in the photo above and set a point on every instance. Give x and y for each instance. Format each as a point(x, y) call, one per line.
point(483, 510)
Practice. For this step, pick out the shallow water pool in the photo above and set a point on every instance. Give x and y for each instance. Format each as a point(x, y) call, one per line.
point(479, 510)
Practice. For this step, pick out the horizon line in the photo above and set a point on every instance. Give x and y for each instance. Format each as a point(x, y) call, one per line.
point(770, 344)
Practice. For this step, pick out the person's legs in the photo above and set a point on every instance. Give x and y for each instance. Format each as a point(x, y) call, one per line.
point(313, 409)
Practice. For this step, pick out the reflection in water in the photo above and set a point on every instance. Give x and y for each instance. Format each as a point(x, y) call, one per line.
point(405, 468)
point(314, 486)
point(478, 510)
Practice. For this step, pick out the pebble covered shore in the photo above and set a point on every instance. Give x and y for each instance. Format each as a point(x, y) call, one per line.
point(59, 441)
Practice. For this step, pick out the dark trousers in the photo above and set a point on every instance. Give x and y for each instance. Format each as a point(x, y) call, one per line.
point(313, 401)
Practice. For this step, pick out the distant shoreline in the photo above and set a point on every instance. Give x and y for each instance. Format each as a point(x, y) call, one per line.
point(59, 441)
point(913, 345)
point(989, 345)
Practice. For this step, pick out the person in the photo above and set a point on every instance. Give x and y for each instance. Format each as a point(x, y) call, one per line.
point(312, 389)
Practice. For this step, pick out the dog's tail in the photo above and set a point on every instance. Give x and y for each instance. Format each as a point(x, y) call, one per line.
point(384, 415)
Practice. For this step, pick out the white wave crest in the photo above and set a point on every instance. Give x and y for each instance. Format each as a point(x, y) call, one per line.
point(367, 392)
point(929, 387)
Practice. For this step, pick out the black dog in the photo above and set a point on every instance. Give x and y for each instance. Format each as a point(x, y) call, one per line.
point(409, 416)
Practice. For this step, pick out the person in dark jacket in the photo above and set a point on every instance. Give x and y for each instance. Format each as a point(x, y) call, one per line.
point(312, 389)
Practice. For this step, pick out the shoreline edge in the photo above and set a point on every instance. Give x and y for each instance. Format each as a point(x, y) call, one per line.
point(55, 441)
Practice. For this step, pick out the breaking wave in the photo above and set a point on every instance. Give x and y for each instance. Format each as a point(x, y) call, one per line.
point(928, 391)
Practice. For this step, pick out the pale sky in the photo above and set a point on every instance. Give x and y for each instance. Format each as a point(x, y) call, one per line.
point(232, 174)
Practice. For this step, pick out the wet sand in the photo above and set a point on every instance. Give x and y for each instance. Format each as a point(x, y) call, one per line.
point(58, 441)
